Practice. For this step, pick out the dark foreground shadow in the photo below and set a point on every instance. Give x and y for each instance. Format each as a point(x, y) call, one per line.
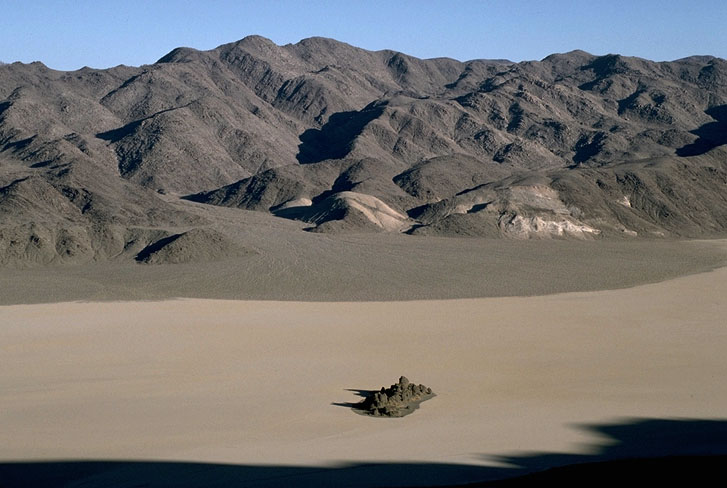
point(689, 452)
point(664, 471)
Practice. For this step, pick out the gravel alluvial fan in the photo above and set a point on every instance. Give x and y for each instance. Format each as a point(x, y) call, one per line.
point(101, 164)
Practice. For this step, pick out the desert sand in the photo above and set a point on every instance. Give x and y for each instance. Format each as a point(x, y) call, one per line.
point(252, 386)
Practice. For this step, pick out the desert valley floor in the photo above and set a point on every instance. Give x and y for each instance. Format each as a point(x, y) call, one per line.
point(207, 391)
point(207, 260)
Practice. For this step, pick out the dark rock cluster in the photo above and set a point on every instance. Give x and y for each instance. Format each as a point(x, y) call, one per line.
point(398, 400)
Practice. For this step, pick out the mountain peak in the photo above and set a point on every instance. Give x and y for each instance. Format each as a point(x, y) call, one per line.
point(255, 40)
point(180, 55)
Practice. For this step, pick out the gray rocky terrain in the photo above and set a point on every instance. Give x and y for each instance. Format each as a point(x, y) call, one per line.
point(99, 165)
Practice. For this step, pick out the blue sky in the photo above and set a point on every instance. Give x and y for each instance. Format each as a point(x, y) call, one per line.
point(68, 34)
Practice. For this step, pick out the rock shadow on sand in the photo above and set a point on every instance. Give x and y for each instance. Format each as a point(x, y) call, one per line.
point(359, 393)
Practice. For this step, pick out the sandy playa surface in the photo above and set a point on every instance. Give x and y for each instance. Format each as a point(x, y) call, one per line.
point(254, 384)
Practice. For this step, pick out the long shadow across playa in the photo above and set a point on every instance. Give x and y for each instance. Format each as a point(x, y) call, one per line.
point(678, 451)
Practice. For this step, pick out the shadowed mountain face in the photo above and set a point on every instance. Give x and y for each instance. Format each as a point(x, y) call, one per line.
point(93, 162)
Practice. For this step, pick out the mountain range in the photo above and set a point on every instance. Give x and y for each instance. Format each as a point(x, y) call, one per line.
point(116, 164)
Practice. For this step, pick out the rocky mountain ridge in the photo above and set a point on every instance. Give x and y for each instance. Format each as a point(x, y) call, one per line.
point(93, 163)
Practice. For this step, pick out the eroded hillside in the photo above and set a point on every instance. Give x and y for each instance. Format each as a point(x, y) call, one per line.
point(93, 163)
